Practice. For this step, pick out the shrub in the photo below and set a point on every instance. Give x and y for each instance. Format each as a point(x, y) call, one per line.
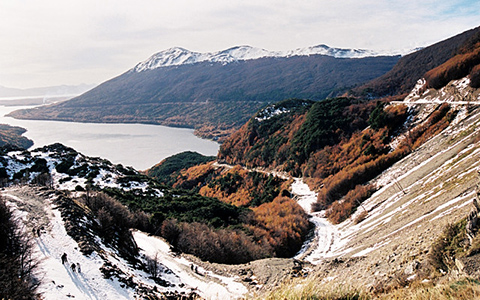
point(338, 185)
point(243, 188)
point(451, 242)
point(339, 211)
point(220, 246)
point(475, 77)
point(170, 230)
point(115, 221)
point(457, 67)
point(79, 188)
point(378, 117)
point(43, 179)
point(283, 224)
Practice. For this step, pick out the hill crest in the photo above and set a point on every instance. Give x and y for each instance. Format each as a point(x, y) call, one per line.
point(177, 56)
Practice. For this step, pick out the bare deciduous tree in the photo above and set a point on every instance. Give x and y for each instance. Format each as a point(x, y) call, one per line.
point(18, 268)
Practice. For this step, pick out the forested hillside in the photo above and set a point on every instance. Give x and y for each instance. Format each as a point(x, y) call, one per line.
point(329, 142)
point(342, 143)
point(190, 220)
point(167, 170)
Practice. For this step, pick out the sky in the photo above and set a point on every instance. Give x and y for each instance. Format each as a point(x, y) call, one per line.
point(55, 42)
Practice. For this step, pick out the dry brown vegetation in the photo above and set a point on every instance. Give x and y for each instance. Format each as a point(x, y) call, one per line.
point(222, 245)
point(339, 211)
point(18, 267)
point(403, 76)
point(274, 226)
point(273, 229)
point(339, 157)
point(457, 67)
point(194, 177)
point(461, 289)
point(240, 187)
point(282, 224)
point(363, 166)
point(475, 77)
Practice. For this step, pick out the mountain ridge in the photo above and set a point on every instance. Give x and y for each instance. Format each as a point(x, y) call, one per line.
point(177, 56)
point(212, 98)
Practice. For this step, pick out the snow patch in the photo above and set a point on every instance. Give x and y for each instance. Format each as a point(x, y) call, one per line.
point(455, 92)
point(270, 112)
point(326, 239)
point(221, 288)
point(370, 249)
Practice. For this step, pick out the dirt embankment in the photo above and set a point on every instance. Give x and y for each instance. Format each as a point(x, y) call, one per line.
point(261, 275)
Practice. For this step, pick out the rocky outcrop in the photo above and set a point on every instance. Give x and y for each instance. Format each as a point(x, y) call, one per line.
point(472, 219)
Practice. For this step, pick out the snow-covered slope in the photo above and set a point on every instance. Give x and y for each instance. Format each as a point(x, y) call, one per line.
point(177, 56)
point(104, 274)
point(59, 280)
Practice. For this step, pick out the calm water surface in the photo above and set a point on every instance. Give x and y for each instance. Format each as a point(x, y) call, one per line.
point(136, 145)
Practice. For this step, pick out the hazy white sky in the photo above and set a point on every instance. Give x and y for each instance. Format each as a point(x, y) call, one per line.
point(53, 42)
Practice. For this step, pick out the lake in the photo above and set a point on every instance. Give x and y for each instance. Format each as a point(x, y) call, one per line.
point(137, 145)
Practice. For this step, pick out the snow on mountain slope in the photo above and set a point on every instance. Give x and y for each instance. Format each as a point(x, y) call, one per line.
point(391, 234)
point(60, 281)
point(92, 278)
point(105, 271)
point(70, 169)
point(177, 56)
point(447, 164)
point(208, 284)
point(325, 238)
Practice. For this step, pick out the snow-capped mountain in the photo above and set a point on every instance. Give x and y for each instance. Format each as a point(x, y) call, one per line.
point(177, 56)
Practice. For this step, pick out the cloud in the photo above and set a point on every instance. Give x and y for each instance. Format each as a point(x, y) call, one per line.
point(53, 42)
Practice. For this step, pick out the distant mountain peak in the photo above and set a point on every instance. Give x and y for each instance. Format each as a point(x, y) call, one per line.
point(177, 56)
